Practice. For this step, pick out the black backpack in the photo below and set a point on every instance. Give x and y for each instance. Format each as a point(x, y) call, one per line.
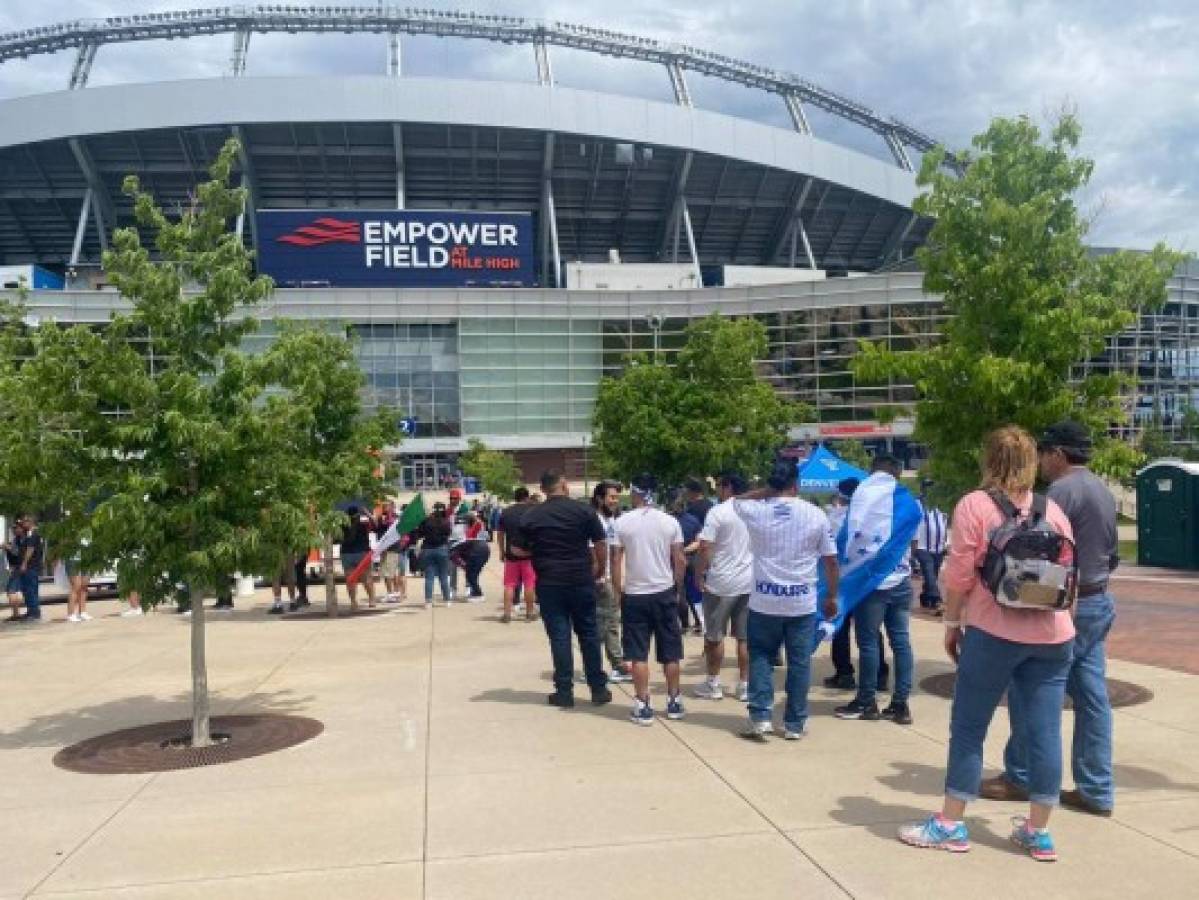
point(1029, 563)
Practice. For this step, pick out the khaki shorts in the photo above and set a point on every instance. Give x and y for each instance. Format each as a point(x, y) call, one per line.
point(393, 565)
point(719, 612)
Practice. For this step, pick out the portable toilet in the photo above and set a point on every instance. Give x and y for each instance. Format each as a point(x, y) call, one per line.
point(1168, 515)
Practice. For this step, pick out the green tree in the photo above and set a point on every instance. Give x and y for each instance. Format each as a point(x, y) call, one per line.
point(180, 456)
point(496, 470)
point(854, 452)
point(707, 412)
point(1027, 301)
point(336, 450)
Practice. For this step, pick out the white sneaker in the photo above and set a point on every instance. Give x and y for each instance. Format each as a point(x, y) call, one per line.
point(132, 611)
point(619, 677)
point(709, 689)
point(74, 617)
point(85, 617)
point(757, 731)
point(790, 735)
point(743, 691)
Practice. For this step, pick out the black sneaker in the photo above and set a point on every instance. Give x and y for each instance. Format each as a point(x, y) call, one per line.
point(856, 710)
point(276, 609)
point(600, 696)
point(897, 713)
point(561, 700)
point(844, 682)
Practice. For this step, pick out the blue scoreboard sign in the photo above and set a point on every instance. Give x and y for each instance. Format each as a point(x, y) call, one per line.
point(395, 248)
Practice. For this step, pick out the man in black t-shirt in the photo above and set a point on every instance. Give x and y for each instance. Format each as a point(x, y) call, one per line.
point(698, 503)
point(30, 549)
point(518, 570)
point(569, 549)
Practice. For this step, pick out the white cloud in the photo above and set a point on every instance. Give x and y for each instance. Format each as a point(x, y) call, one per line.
point(946, 67)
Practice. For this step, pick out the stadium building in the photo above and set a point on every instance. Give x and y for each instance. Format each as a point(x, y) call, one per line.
point(497, 247)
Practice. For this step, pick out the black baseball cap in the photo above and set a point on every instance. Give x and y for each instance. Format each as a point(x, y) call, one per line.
point(1067, 435)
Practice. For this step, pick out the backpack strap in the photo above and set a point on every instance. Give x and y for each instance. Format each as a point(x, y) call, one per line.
point(1040, 506)
point(1006, 506)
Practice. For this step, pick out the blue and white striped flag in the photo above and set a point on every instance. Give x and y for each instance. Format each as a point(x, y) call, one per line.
point(874, 539)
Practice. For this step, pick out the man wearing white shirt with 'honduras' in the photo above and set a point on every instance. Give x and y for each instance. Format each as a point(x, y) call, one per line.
point(790, 538)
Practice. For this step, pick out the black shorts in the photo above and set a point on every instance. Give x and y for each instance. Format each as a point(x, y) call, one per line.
point(643, 615)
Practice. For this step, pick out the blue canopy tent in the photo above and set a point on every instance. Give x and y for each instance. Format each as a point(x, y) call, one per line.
point(820, 472)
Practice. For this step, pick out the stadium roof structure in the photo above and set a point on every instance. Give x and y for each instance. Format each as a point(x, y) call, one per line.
point(650, 179)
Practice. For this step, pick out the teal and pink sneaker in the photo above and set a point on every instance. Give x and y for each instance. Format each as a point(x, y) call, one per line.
point(935, 833)
point(1038, 843)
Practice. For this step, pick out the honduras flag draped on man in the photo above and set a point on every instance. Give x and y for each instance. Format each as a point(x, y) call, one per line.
point(877, 533)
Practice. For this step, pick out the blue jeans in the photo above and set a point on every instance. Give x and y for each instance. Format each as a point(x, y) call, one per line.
point(1033, 673)
point(930, 568)
point(765, 635)
point(437, 565)
point(564, 607)
point(891, 609)
point(30, 588)
point(1091, 751)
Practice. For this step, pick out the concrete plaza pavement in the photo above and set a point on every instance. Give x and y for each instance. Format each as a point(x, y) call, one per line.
point(441, 773)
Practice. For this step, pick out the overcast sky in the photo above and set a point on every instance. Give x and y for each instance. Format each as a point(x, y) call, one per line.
point(946, 66)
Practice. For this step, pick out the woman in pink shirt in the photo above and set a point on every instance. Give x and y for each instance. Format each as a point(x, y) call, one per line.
point(998, 648)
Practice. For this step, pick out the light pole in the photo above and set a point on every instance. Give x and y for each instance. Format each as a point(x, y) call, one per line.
point(655, 325)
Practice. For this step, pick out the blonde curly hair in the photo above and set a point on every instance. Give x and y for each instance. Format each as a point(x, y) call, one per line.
point(1009, 461)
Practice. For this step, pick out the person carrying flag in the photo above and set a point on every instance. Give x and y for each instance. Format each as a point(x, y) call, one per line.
point(410, 518)
point(874, 549)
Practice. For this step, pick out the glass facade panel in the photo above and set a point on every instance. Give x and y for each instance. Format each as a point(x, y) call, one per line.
point(530, 376)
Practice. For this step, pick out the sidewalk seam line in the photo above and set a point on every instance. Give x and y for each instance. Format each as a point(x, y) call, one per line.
point(424, 852)
point(783, 834)
point(120, 809)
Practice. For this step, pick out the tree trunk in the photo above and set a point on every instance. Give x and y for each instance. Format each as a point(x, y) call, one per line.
point(201, 734)
point(330, 580)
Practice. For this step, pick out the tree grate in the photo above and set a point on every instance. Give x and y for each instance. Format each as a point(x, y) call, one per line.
point(166, 746)
point(1121, 693)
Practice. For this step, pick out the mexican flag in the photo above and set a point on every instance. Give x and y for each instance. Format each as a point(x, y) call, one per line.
point(414, 513)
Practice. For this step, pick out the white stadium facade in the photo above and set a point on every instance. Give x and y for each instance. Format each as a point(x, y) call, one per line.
point(595, 224)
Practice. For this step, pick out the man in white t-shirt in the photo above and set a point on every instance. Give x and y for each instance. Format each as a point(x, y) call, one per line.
point(724, 572)
point(789, 539)
point(647, 569)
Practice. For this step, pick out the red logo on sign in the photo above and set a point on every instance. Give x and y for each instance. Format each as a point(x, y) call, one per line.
point(324, 231)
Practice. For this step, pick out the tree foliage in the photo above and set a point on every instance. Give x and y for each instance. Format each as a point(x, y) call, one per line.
point(854, 452)
point(1027, 301)
point(709, 411)
point(496, 470)
point(174, 454)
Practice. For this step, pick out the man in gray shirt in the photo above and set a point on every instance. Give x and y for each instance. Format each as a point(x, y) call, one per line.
point(1064, 451)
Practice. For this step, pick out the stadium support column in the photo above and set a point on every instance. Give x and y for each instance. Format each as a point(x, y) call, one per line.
point(82, 69)
point(393, 54)
point(241, 47)
point(798, 117)
point(686, 217)
point(397, 135)
point(251, 185)
point(898, 150)
point(895, 241)
point(675, 204)
point(101, 204)
point(682, 96)
point(541, 51)
point(788, 225)
point(81, 228)
point(549, 218)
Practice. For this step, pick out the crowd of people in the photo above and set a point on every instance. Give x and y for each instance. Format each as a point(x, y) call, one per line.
point(1020, 581)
